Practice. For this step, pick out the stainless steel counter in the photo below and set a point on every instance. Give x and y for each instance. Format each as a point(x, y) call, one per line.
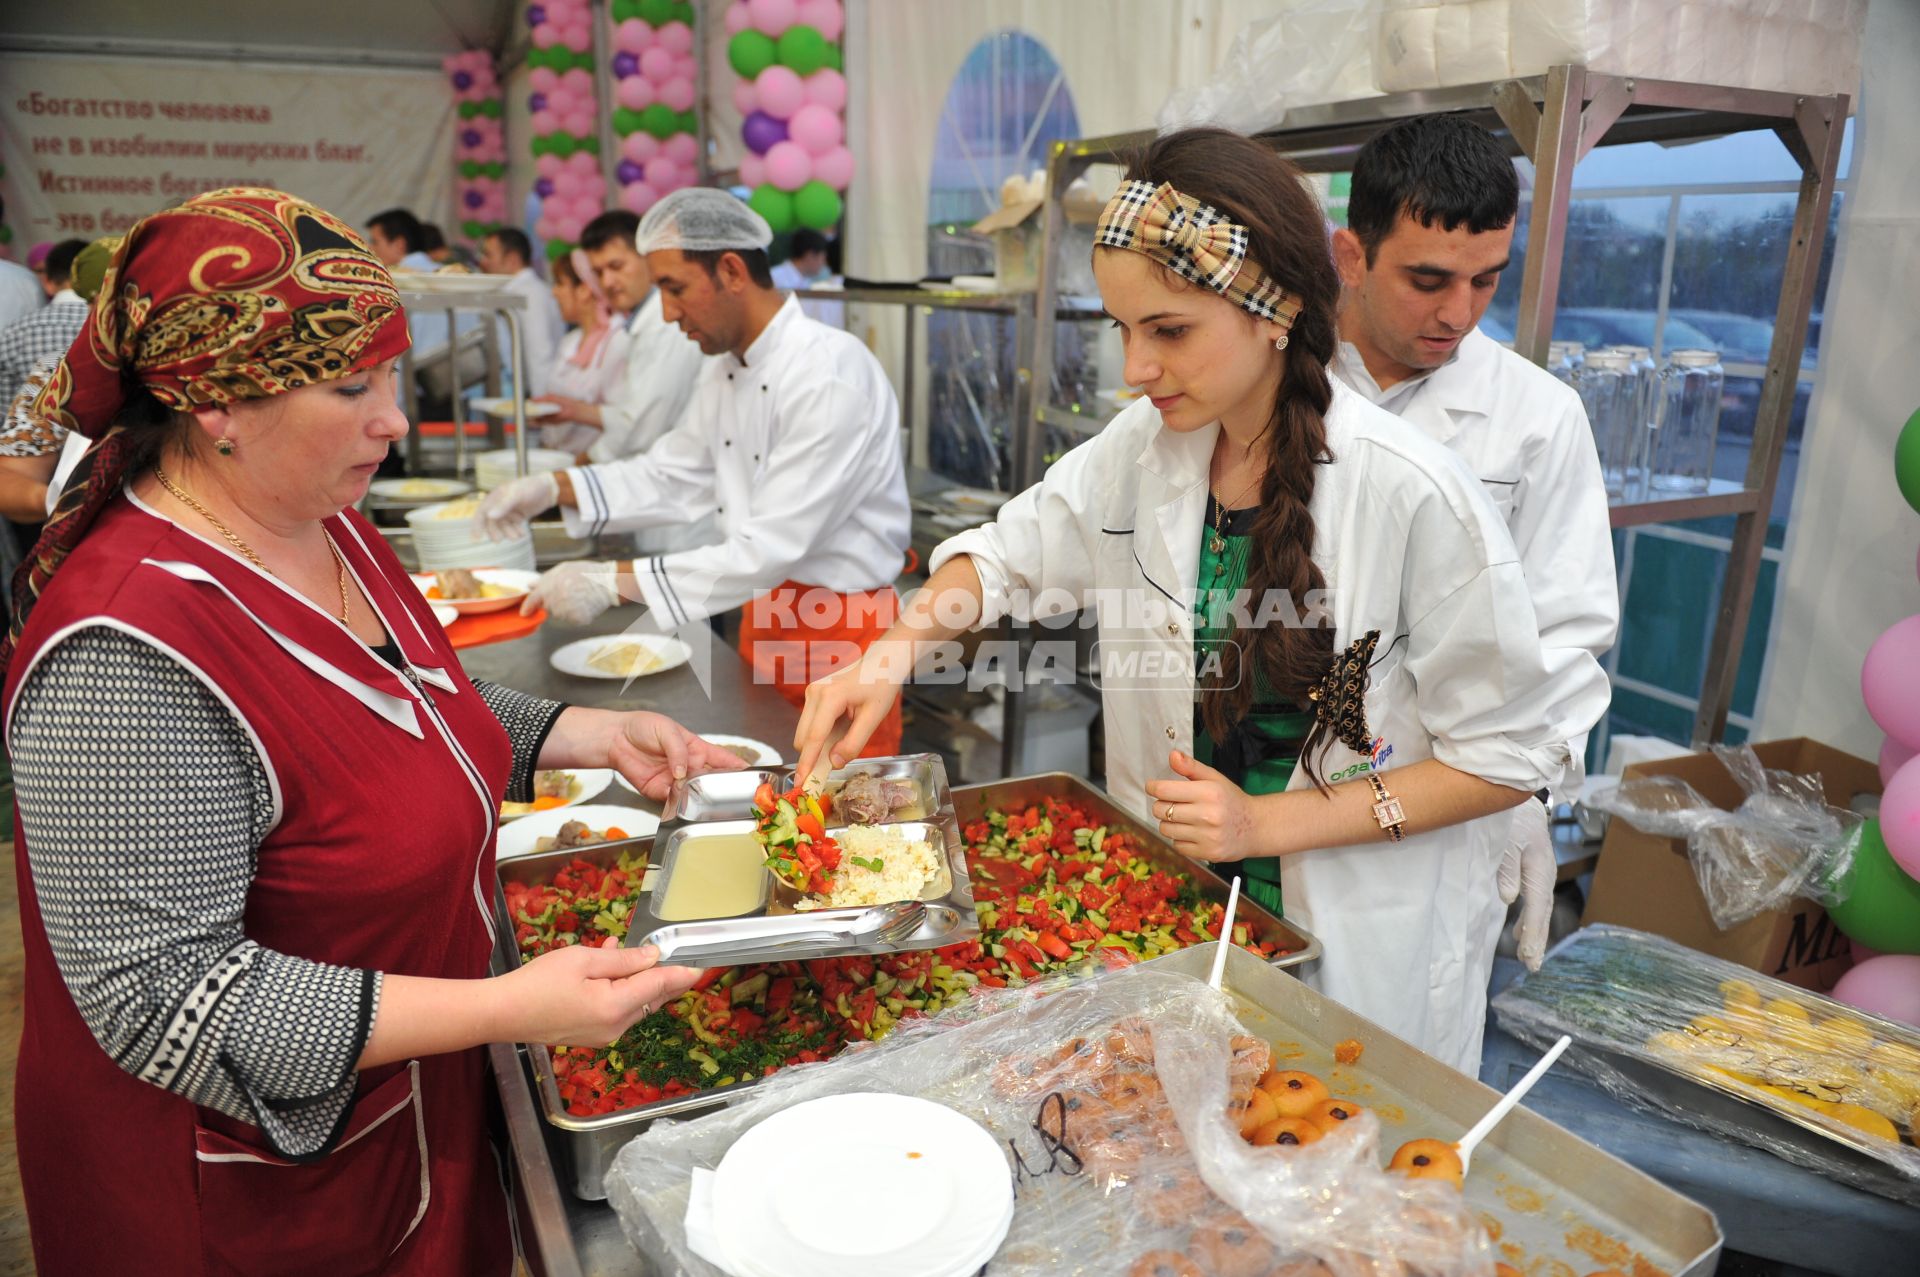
point(562, 1235)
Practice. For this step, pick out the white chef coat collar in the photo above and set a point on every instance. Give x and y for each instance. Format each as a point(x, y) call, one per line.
point(1353, 368)
point(66, 295)
point(764, 345)
point(1180, 458)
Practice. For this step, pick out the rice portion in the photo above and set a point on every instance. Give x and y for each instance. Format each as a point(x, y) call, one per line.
point(907, 866)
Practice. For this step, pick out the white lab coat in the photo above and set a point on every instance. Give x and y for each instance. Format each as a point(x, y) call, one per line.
point(540, 327)
point(1409, 546)
point(663, 364)
point(1524, 434)
point(832, 314)
point(592, 383)
point(795, 452)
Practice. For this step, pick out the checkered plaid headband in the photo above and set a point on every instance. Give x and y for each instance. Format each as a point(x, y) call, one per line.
point(1195, 241)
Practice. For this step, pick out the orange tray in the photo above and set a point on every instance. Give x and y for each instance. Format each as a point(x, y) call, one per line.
point(444, 429)
point(493, 627)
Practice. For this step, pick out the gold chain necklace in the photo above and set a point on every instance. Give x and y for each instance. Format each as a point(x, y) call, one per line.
point(233, 537)
point(1218, 543)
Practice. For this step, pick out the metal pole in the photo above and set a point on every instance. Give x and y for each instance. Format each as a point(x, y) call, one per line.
point(602, 26)
point(518, 350)
point(458, 408)
point(919, 424)
point(1558, 151)
point(1813, 136)
point(410, 402)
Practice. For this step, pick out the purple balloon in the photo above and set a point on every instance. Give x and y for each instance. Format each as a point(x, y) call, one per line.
point(536, 14)
point(475, 199)
point(629, 172)
point(624, 65)
point(538, 102)
point(471, 137)
point(543, 187)
point(762, 131)
point(462, 79)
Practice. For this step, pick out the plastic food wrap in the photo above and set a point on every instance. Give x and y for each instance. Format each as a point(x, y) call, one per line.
point(1264, 75)
point(1783, 841)
point(1810, 1079)
point(1114, 1097)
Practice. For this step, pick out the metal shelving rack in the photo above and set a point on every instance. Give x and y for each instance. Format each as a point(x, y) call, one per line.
point(504, 306)
point(1554, 120)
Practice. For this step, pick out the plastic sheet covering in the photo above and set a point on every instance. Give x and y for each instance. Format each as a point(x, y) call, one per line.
point(1783, 841)
point(1265, 73)
point(1112, 1096)
point(1809, 1079)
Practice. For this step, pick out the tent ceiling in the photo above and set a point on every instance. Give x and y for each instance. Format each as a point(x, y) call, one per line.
point(362, 31)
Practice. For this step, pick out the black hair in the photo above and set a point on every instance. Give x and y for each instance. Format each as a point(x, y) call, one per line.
point(514, 240)
point(615, 223)
point(59, 262)
point(1433, 168)
point(759, 268)
point(804, 241)
point(400, 224)
point(431, 238)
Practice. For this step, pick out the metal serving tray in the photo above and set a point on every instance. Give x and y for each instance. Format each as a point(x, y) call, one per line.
point(591, 1142)
point(971, 802)
point(1560, 1205)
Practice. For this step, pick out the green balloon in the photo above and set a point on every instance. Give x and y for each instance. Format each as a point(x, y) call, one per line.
point(625, 121)
point(817, 205)
point(561, 144)
point(750, 53)
point(538, 145)
point(469, 109)
point(582, 60)
point(687, 122)
point(494, 169)
point(6, 234)
point(556, 248)
point(833, 58)
point(655, 13)
point(622, 10)
point(1906, 463)
point(803, 49)
point(1882, 908)
point(473, 230)
point(492, 108)
point(659, 120)
point(773, 204)
point(590, 144)
point(683, 12)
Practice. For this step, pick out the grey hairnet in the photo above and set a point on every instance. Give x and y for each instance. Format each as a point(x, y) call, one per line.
point(702, 219)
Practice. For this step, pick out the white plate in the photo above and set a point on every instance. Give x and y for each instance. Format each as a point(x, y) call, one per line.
point(931, 1185)
point(504, 408)
point(573, 658)
point(418, 489)
point(517, 837)
point(588, 782)
point(513, 579)
point(444, 614)
point(768, 757)
point(974, 498)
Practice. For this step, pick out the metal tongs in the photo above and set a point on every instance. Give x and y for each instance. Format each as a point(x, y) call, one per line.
point(880, 925)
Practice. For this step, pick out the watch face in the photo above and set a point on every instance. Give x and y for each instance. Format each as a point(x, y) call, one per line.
point(1389, 813)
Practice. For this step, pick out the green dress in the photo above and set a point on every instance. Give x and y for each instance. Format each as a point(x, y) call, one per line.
point(1265, 747)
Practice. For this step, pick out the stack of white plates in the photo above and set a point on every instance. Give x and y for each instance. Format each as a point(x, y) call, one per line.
point(896, 1186)
point(440, 543)
point(500, 466)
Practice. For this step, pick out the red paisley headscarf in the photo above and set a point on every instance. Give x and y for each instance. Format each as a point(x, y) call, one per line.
point(237, 294)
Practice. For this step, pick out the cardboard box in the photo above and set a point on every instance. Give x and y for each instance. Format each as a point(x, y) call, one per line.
point(1647, 882)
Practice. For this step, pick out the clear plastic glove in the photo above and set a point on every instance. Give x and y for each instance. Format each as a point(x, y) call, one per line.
point(1527, 873)
point(574, 592)
point(504, 512)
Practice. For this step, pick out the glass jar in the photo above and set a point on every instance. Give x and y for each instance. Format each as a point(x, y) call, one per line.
point(1563, 357)
point(1687, 423)
point(1610, 392)
point(1646, 373)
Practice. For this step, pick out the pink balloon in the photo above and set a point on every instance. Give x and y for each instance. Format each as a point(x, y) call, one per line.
point(789, 167)
point(825, 16)
point(579, 39)
point(1892, 755)
point(746, 98)
point(577, 80)
point(546, 228)
point(753, 170)
point(581, 123)
point(567, 185)
point(827, 87)
point(638, 197)
point(583, 163)
point(1890, 681)
point(835, 167)
point(544, 79)
point(1900, 817)
point(771, 16)
point(816, 129)
point(657, 64)
point(678, 94)
point(780, 90)
point(636, 93)
point(682, 148)
point(632, 36)
point(546, 35)
point(549, 166)
point(1886, 986)
point(639, 147)
point(662, 173)
point(675, 37)
point(545, 122)
point(737, 18)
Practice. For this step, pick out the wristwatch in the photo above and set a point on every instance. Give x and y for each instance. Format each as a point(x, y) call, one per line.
point(1387, 809)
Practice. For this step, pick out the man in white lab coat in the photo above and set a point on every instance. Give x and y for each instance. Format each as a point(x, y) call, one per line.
point(1429, 230)
point(791, 443)
point(509, 253)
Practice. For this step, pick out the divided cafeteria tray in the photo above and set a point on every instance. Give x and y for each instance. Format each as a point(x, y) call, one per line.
point(591, 1142)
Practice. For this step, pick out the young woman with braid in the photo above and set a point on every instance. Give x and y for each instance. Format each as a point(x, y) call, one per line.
point(1320, 658)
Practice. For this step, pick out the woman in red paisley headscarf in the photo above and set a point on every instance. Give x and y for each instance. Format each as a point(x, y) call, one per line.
point(258, 797)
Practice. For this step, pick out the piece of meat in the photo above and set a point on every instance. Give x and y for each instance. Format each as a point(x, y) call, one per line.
point(865, 799)
point(573, 834)
point(457, 583)
point(555, 784)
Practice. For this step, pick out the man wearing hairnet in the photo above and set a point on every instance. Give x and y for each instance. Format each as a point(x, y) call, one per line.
point(791, 442)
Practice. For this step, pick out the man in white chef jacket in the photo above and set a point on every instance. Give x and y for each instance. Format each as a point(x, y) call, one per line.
point(508, 252)
point(1429, 230)
point(791, 442)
